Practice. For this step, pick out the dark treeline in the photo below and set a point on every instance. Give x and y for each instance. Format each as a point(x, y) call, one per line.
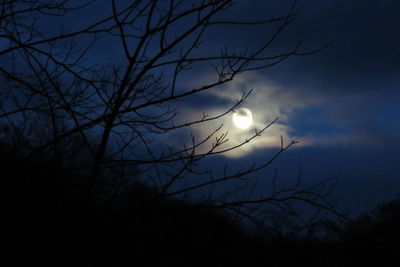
point(52, 223)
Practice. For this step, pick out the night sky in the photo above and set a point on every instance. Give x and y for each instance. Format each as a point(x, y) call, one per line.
point(342, 104)
point(351, 89)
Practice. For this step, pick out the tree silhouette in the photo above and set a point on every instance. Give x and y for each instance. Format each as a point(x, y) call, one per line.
point(57, 101)
point(378, 229)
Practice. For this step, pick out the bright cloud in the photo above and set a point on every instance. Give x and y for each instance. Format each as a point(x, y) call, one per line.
point(267, 102)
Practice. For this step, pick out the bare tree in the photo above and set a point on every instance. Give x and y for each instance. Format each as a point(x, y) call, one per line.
point(49, 75)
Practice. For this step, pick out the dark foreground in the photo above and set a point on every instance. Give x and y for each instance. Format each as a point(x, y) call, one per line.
point(52, 223)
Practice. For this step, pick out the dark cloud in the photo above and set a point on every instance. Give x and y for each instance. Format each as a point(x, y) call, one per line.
point(365, 40)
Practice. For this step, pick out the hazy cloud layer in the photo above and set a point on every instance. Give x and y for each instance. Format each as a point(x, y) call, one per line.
point(267, 102)
point(313, 118)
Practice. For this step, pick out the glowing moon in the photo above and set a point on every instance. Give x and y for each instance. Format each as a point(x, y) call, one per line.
point(242, 118)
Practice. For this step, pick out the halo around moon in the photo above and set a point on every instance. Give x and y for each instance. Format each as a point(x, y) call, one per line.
point(242, 118)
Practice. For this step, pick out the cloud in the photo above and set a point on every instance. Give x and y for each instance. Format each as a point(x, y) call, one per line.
point(306, 115)
point(267, 102)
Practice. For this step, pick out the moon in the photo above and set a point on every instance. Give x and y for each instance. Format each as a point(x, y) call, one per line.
point(242, 118)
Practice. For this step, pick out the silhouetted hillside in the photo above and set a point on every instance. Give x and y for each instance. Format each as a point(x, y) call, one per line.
point(51, 223)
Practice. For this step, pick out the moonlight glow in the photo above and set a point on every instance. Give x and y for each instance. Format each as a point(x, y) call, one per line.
point(242, 118)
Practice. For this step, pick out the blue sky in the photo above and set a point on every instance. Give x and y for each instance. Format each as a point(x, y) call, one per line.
point(341, 104)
